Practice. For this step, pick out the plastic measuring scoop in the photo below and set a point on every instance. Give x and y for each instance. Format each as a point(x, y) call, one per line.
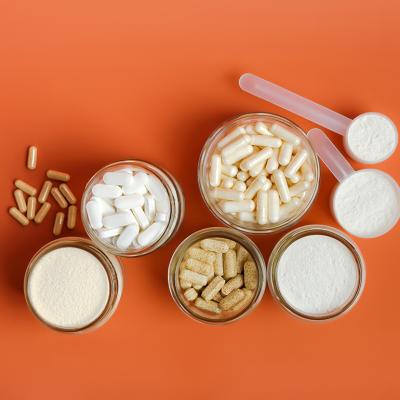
point(366, 202)
point(370, 138)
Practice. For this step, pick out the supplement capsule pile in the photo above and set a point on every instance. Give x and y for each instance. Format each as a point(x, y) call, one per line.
point(129, 209)
point(218, 275)
point(260, 174)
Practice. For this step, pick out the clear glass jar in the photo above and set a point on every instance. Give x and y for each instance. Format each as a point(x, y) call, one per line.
point(177, 293)
point(176, 198)
point(204, 163)
point(111, 266)
point(296, 234)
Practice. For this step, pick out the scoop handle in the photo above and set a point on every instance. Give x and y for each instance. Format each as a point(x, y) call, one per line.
point(329, 154)
point(294, 103)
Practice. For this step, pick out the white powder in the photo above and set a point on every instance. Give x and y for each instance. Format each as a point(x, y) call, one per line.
point(68, 287)
point(372, 137)
point(367, 203)
point(317, 274)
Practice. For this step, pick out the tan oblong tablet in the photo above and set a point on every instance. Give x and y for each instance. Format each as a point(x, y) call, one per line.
point(20, 200)
point(41, 214)
point(18, 216)
point(31, 208)
point(58, 175)
point(71, 217)
point(45, 191)
point(59, 198)
point(58, 223)
point(31, 161)
point(25, 187)
point(67, 192)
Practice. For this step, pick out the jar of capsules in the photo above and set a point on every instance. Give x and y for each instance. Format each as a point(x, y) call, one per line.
point(316, 273)
point(217, 276)
point(131, 208)
point(73, 286)
point(258, 173)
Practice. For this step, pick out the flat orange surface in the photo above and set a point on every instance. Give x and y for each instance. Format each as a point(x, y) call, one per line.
point(90, 82)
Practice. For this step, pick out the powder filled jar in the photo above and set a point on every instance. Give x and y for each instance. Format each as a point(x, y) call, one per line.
point(73, 286)
point(316, 273)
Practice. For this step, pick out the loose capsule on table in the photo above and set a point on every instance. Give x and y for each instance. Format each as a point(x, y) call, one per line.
point(18, 216)
point(59, 198)
point(43, 211)
point(31, 207)
point(20, 200)
point(58, 223)
point(25, 187)
point(58, 175)
point(31, 161)
point(67, 193)
point(71, 217)
point(45, 191)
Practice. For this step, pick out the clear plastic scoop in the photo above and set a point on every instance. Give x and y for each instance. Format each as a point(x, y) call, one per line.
point(369, 138)
point(365, 202)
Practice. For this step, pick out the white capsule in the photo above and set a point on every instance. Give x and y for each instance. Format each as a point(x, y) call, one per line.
point(286, 209)
point(161, 217)
point(257, 169)
point(227, 194)
point(227, 182)
point(262, 207)
point(93, 210)
point(299, 188)
point(141, 217)
point(255, 159)
point(239, 186)
point(149, 235)
point(272, 163)
point(242, 176)
point(106, 205)
point(265, 141)
point(296, 162)
point(285, 134)
point(215, 170)
point(232, 147)
point(250, 130)
point(294, 179)
point(127, 236)
point(239, 154)
point(261, 182)
point(109, 233)
point(247, 216)
point(307, 172)
point(262, 129)
point(231, 136)
point(273, 206)
point(119, 219)
point(229, 170)
point(150, 206)
point(281, 185)
point(237, 206)
point(158, 190)
point(130, 201)
point(118, 178)
point(285, 153)
point(106, 191)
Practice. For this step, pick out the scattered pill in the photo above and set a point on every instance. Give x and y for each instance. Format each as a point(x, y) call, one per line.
point(45, 191)
point(67, 193)
point(25, 187)
point(58, 197)
point(18, 216)
point(58, 175)
point(31, 161)
point(20, 200)
point(71, 216)
point(58, 223)
point(41, 214)
point(31, 208)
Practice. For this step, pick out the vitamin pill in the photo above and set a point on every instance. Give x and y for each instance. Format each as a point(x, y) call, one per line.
point(141, 217)
point(273, 206)
point(127, 236)
point(237, 206)
point(248, 294)
point(307, 172)
point(217, 246)
point(262, 207)
point(232, 299)
point(94, 213)
point(265, 141)
point(32, 158)
point(281, 185)
point(219, 264)
point(257, 169)
point(213, 288)
point(255, 159)
point(215, 170)
point(227, 182)
point(242, 176)
point(20, 200)
point(231, 136)
point(211, 306)
point(199, 266)
point(31, 208)
point(249, 181)
point(230, 267)
point(25, 187)
point(45, 191)
point(157, 189)
point(250, 130)
point(272, 163)
point(250, 275)
point(247, 216)
point(299, 188)
point(198, 287)
point(58, 175)
point(190, 294)
point(296, 162)
point(241, 256)
point(18, 216)
point(232, 147)
point(67, 193)
point(41, 214)
point(229, 170)
point(218, 297)
point(255, 186)
point(239, 186)
point(261, 128)
point(294, 178)
point(286, 209)
point(106, 207)
point(201, 255)
point(227, 194)
point(130, 201)
point(71, 217)
point(238, 155)
point(285, 154)
point(58, 223)
point(106, 191)
point(121, 218)
point(150, 207)
point(285, 134)
point(232, 284)
point(59, 198)
point(150, 234)
point(108, 233)
point(119, 178)
point(185, 284)
point(161, 217)
point(193, 277)
point(229, 242)
point(134, 187)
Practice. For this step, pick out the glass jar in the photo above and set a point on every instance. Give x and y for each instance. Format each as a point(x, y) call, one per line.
point(113, 272)
point(175, 195)
point(204, 167)
point(301, 232)
point(177, 293)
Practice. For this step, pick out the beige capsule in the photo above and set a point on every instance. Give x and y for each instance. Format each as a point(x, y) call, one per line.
point(232, 284)
point(59, 198)
point(199, 267)
point(213, 288)
point(58, 175)
point(31, 161)
point(193, 277)
point(20, 200)
point(201, 255)
point(71, 217)
point(250, 275)
point(41, 214)
point(230, 268)
point(190, 294)
point(58, 223)
point(18, 216)
point(231, 243)
point(67, 193)
point(25, 187)
point(211, 306)
point(232, 299)
point(241, 256)
point(218, 297)
point(248, 295)
point(44, 191)
point(184, 284)
point(215, 245)
point(219, 264)
point(31, 207)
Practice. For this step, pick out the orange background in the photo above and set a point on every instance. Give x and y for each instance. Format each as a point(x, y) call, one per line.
point(90, 82)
